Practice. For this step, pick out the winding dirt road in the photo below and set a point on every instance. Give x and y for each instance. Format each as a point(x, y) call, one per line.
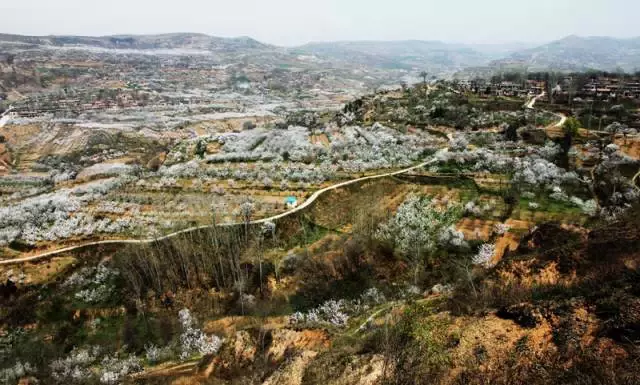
point(562, 117)
point(304, 205)
point(633, 181)
point(533, 100)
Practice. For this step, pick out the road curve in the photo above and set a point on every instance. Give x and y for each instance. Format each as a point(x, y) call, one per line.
point(562, 117)
point(533, 100)
point(304, 205)
point(633, 180)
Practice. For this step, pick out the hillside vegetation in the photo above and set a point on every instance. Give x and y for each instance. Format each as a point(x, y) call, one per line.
point(508, 259)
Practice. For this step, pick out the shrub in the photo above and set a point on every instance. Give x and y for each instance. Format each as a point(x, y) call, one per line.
point(484, 255)
point(193, 340)
point(248, 125)
point(113, 370)
point(416, 347)
point(417, 226)
point(14, 373)
point(571, 126)
point(155, 354)
point(75, 367)
point(96, 284)
point(338, 312)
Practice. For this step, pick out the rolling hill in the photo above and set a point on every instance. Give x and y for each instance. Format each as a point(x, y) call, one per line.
point(386, 61)
point(142, 42)
point(433, 56)
point(575, 53)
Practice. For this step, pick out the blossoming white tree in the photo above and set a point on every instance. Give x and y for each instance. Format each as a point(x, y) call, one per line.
point(484, 255)
point(417, 227)
point(338, 312)
point(193, 340)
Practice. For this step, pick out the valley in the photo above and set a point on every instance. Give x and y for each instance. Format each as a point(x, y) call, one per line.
point(186, 209)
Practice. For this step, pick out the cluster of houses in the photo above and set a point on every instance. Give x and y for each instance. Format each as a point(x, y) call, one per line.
point(575, 86)
point(612, 87)
point(502, 88)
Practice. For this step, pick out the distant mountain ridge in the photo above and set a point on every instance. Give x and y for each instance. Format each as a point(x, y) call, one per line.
point(575, 53)
point(146, 42)
point(572, 53)
point(406, 54)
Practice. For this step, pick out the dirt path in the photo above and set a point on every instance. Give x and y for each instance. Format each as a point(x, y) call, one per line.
point(533, 101)
point(301, 207)
point(562, 117)
point(633, 180)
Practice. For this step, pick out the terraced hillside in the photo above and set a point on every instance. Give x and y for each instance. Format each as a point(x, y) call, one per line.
point(495, 259)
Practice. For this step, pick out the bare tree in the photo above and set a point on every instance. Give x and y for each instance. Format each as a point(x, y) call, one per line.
point(424, 75)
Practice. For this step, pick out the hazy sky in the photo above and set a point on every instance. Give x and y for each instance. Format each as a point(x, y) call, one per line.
point(291, 22)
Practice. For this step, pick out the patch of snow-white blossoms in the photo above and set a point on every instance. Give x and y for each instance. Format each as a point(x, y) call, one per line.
point(372, 296)
point(14, 373)
point(411, 291)
point(332, 312)
point(484, 255)
point(267, 182)
point(111, 207)
point(531, 170)
point(58, 176)
point(113, 369)
point(347, 118)
point(558, 194)
point(155, 354)
point(501, 228)
point(459, 143)
point(450, 236)
point(245, 210)
point(105, 169)
point(418, 224)
point(75, 367)
point(351, 149)
point(96, 284)
point(549, 151)
point(338, 313)
point(589, 207)
point(53, 216)
point(194, 340)
point(78, 367)
point(541, 172)
point(442, 289)
point(186, 170)
point(473, 208)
